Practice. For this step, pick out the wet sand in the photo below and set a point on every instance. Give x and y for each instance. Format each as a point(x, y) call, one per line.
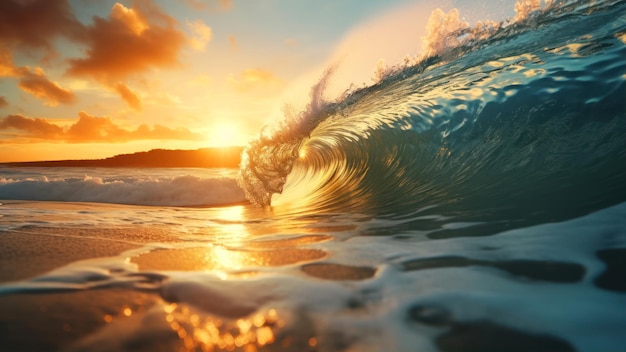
point(146, 308)
point(83, 318)
point(49, 322)
point(34, 252)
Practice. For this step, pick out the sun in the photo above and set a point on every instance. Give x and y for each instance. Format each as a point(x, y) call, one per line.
point(224, 135)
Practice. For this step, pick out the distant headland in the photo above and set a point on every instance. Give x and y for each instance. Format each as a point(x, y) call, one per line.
point(227, 157)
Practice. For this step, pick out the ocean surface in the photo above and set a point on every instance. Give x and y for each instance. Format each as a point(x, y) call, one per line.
point(472, 199)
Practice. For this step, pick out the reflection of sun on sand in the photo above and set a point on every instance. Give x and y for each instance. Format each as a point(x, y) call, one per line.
point(221, 258)
point(108, 308)
point(233, 250)
point(235, 255)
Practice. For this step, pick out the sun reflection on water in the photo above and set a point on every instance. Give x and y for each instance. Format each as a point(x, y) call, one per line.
point(231, 229)
point(229, 250)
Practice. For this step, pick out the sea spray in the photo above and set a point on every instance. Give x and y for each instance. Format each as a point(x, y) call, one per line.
point(498, 115)
point(269, 159)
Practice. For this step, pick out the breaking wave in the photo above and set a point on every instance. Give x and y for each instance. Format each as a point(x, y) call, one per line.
point(519, 122)
point(187, 190)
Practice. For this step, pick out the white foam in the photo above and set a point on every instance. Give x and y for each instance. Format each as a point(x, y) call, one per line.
point(579, 312)
point(185, 190)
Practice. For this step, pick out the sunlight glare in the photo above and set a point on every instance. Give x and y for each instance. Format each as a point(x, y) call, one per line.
point(224, 135)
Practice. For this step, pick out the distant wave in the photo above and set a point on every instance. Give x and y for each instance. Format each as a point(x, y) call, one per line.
point(175, 191)
point(509, 121)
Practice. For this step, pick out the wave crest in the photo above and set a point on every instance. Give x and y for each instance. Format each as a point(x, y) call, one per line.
point(500, 127)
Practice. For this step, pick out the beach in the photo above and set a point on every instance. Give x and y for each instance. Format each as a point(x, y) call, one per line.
point(159, 285)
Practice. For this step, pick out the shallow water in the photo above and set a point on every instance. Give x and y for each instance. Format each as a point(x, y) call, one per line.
point(211, 276)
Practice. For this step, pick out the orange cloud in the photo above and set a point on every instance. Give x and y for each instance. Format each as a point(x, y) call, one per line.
point(130, 40)
point(202, 34)
point(92, 129)
point(130, 97)
point(102, 129)
point(36, 83)
point(6, 64)
point(210, 5)
point(3, 102)
point(255, 78)
point(35, 23)
point(34, 127)
point(131, 18)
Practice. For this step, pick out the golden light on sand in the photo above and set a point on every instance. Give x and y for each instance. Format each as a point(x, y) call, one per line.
point(127, 311)
point(205, 333)
point(225, 261)
point(232, 234)
point(233, 252)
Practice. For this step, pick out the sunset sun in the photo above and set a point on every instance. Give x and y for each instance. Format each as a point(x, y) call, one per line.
point(224, 135)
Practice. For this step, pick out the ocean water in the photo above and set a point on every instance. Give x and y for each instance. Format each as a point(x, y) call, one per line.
point(472, 199)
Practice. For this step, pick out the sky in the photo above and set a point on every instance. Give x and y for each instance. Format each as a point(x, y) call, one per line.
point(88, 79)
